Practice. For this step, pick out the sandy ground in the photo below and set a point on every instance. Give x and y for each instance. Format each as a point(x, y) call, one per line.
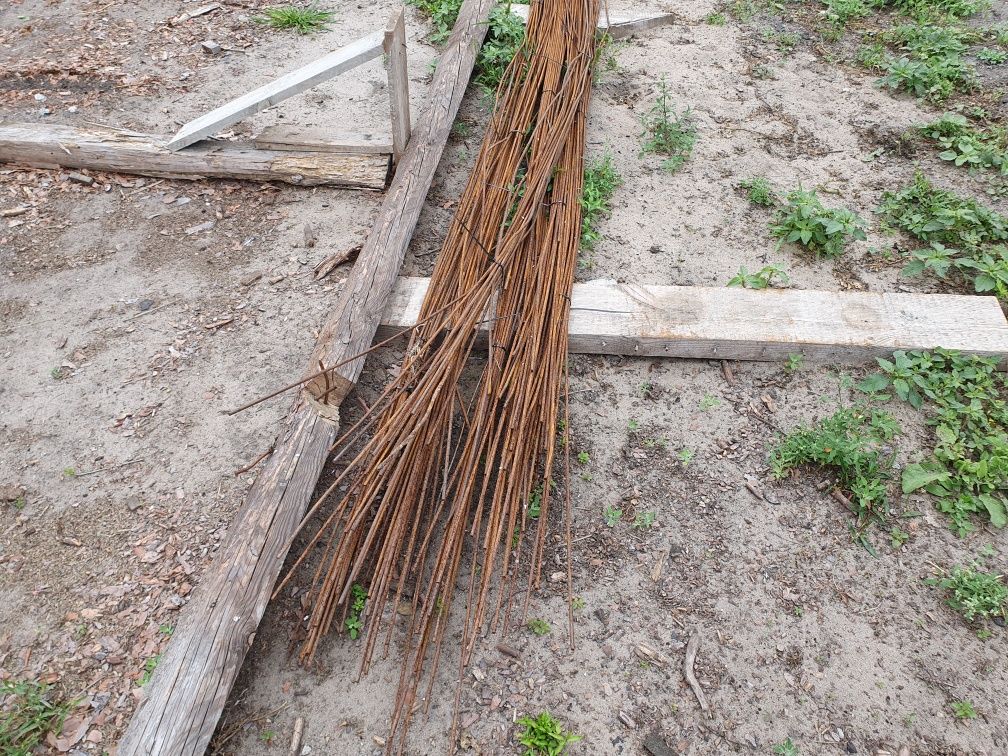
point(123, 337)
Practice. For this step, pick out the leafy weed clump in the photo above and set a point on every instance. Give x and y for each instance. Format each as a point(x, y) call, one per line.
point(973, 593)
point(600, 183)
point(354, 624)
point(962, 234)
point(968, 473)
point(505, 36)
point(759, 191)
point(443, 15)
point(544, 735)
point(824, 231)
point(301, 20)
point(938, 10)
point(667, 132)
point(932, 65)
point(762, 279)
point(963, 144)
point(849, 442)
point(28, 712)
point(839, 12)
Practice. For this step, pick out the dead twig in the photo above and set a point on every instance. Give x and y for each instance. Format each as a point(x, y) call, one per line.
point(691, 652)
point(332, 262)
point(254, 462)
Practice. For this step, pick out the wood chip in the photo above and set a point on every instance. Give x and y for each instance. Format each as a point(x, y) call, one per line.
point(508, 650)
point(309, 236)
point(332, 262)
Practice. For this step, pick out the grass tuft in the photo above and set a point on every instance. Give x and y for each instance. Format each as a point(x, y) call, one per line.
point(28, 712)
point(301, 20)
point(667, 132)
point(973, 593)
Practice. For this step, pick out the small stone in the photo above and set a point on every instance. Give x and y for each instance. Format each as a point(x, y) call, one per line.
point(145, 304)
point(45, 111)
point(201, 227)
point(72, 109)
point(133, 503)
point(627, 720)
point(211, 48)
point(851, 748)
point(39, 97)
point(251, 278)
point(602, 614)
point(276, 279)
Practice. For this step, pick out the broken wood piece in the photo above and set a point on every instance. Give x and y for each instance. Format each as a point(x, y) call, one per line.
point(745, 324)
point(190, 687)
point(288, 85)
point(691, 651)
point(104, 149)
point(398, 80)
point(292, 138)
point(296, 737)
point(332, 262)
point(615, 25)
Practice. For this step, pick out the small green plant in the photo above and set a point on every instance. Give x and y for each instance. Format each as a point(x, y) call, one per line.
point(544, 735)
point(56, 373)
point(992, 57)
point(149, 666)
point(963, 710)
point(685, 456)
point(787, 748)
point(823, 231)
point(644, 520)
point(898, 537)
point(632, 425)
point(69, 472)
point(600, 183)
point(443, 14)
point(932, 65)
point(849, 442)
point(717, 19)
point(612, 515)
point(668, 133)
point(794, 362)
point(28, 712)
point(166, 629)
point(539, 627)
point(709, 401)
point(460, 129)
point(504, 37)
point(787, 42)
point(762, 279)
point(266, 736)
point(839, 12)
point(535, 502)
point(354, 624)
point(577, 603)
point(759, 191)
point(873, 57)
point(937, 10)
point(968, 473)
point(973, 593)
point(301, 20)
point(965, 145)
point(583, 458)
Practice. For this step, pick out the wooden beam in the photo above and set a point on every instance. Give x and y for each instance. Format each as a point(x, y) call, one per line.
point(288, 138)
point(742, 324)
point(288, 85)
point(103, 149)
point(398, 82)
point(615, 25)
point(194, 676)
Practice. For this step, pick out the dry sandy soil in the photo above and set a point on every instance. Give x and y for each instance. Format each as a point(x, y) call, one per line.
point(123, 337)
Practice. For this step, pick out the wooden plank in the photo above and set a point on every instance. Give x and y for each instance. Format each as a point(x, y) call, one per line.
point(742, 324)
point(293, 138)
point(102, 149)
point(288, 85)
point(398, 80)
point(616, 25)
point(191, 684)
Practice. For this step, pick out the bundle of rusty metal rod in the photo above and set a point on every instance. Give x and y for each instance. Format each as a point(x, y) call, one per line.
point(446, 475)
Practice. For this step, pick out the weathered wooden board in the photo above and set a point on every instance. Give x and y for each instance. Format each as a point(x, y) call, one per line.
point(288, 138)
point(398, 79)
point(742, 324)
point(102, 149)
point(617, 26)
point(288, 85)
point(194, 676)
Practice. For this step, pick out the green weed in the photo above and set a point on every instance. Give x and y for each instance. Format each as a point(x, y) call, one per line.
point(505, 36)
point(794, 363)
point(266, 736)
point(301, 20)
point(968, 473)
point(583, 458)
point(644, 520)
point(600, 183)
point(937, 10)
point(544, 735)
point(354, 624)
point(709, 401)
point(759, 191)
point(149, 666)
point(992, 57)
point(823, 231)
point(965, 145)
point(963, 710)
point(685, 456)
point(872, 57)
point(932, 64)
point(849, 442)
point(787, 748)
point(973, 593)
point(539, 627)
point(535, 503)
point(443, 15)
point(612, 515)
point(898, 536)
point(28, 712)
point(717, 19)
point(668, 133)
point(762, 279)
point(839, 12)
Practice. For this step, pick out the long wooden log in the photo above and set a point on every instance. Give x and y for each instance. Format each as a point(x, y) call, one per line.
point(103, 149)
point(741, 324)
point(191, 684)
